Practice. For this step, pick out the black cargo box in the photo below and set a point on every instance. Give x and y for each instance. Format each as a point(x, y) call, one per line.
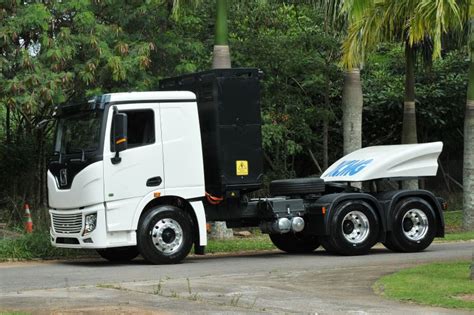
point(229, 116)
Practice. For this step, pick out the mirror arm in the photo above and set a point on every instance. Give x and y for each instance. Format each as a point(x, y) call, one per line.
point(116, 159)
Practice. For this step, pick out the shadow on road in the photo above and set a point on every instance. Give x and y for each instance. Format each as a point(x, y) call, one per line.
point(99, 262)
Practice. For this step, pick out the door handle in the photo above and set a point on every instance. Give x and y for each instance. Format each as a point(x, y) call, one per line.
point(154, 181)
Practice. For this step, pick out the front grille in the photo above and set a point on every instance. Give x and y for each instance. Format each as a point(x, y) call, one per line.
point(67, 223)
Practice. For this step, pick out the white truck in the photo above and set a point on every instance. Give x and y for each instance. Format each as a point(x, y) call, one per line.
point(142, 173)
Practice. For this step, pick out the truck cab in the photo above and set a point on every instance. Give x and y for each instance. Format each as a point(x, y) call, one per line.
point(100, 178)
point(142, 172)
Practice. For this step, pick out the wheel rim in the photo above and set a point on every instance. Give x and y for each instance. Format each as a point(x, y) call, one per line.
point(415, 224)
point(355, 227)
point(167, 236)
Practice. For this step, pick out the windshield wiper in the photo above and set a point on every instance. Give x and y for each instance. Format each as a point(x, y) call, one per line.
point(83, 156)
point(60, 156)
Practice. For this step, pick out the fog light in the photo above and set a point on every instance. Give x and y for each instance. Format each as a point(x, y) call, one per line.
point(90, 223)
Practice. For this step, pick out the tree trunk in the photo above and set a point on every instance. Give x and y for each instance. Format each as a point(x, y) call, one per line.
point(326, 123)
point(409, 134)
point(325, 144)
point(221, 54)
point(221, 60)
point(7, 124)
point(472, 267)
point(352, 111)
point(468, 165)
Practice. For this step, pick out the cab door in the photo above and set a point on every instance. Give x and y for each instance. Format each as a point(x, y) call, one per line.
point(140, 169)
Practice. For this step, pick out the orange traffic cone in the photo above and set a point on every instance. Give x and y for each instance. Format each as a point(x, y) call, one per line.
point(28, 221)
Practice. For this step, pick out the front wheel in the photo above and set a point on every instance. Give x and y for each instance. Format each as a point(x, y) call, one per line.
point(119, 254)
point(295, 243)
point(413, 226)
point(164, 235)
point(354, 229)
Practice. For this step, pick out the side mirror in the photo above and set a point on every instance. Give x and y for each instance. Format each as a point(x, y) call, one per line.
point(119, 135)
point(120, 132)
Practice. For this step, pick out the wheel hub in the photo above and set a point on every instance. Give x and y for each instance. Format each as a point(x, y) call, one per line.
point(415, 224)
point(348, 227)
point(355, 227)
point(167, 236)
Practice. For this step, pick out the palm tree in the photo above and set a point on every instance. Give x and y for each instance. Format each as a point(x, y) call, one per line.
point(221, 55)
point(220, 60)
point(337, 14)
point(411, 22)
point(468, 168)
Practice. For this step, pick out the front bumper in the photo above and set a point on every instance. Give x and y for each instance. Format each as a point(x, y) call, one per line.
point(67, 230)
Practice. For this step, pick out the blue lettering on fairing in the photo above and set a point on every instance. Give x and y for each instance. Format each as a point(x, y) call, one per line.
point(349, 168)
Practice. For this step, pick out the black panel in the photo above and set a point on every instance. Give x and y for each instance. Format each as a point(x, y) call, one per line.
point(230, 121)
point(67, 240)
point(66, 170)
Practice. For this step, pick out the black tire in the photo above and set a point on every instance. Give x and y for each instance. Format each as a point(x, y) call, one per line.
point(354, 229)
point(295, 243)
point(297, 186)
point(119, 254)
point(413, 225)
point(327, 244)
point(164, 235)
point(389, 244)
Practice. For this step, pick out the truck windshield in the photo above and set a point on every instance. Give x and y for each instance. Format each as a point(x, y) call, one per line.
point(78, 133)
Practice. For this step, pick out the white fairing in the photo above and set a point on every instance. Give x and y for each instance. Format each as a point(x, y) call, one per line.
point(388, 161)
point(86, 189)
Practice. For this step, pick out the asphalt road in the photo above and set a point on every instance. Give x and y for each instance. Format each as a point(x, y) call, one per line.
point(268, 282)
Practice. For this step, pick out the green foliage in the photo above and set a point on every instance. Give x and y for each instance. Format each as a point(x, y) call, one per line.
point(412, 21)
point(439, 284)
point(301, 84)
point(54, 52)
point(36, 245)
point(441, 94)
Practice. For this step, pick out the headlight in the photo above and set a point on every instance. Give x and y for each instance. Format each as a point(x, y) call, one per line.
point(90, 223)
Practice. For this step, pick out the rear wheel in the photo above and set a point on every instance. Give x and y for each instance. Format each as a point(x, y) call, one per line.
point(119, 254)
point(390, 245)
point(354, 229)
point(413, 225)
point(164, 235)
point(295, 243)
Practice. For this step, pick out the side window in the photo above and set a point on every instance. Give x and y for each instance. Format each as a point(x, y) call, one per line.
point(140, 126)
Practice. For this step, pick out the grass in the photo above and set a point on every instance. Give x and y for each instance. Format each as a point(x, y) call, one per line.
point(439, 284)
point(453, 221)
point(37, 245)
point(454, 231)
point(257, 242)
point(460, 236)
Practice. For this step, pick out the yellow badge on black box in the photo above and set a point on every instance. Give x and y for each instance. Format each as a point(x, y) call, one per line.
point(242, 168)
